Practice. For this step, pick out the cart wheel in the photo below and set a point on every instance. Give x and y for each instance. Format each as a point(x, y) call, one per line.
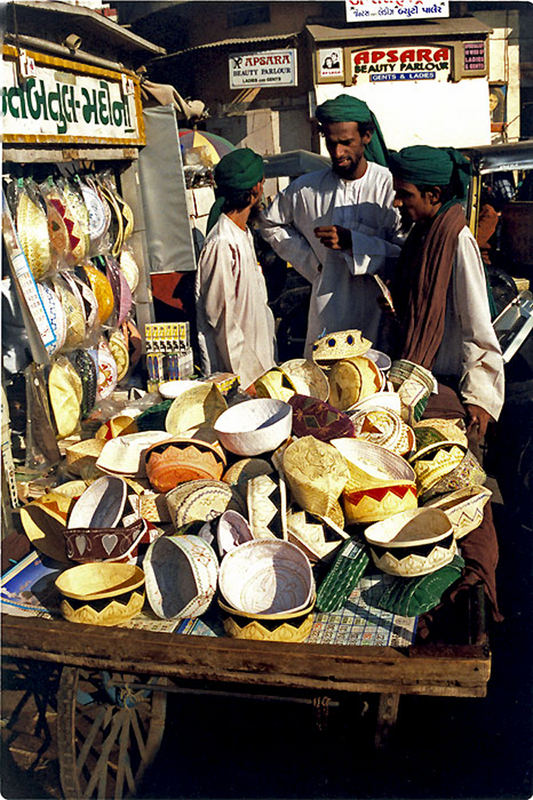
point(110, 728)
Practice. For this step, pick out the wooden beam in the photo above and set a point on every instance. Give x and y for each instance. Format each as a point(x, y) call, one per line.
point(457, 671)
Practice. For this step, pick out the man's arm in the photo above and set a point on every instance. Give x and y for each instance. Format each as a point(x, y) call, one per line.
point(367, 249)
point(278, 229)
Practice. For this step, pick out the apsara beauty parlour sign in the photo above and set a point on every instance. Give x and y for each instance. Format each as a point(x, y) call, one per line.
point(268, 68)
point(400, 64)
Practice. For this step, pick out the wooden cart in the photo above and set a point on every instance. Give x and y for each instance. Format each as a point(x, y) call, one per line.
point(113, 688)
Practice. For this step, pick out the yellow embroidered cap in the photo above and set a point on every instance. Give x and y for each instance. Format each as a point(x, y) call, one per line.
point(197, 407)
point(44, 521)
point(275, 384)
point(341, 344)
point(66, 392)
point(102, 291)
point(119, 350)
point(32, 229)
point(353, 379)
point(316, 474)
point(306, 377)
point(73, 312)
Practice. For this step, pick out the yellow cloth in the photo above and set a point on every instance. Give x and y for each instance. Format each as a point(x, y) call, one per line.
point(66, 392)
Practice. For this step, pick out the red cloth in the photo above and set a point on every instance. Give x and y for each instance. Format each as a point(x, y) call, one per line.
point(164, 286)
point(487, 224)
point(479, 549)
point(444, 405)
point(424, 272)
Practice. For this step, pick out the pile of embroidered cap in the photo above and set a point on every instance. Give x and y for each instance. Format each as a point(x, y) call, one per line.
point(261, 513)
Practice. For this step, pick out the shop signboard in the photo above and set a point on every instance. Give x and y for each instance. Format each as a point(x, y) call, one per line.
point(372, 10)
point(382, 65)
point(474, 56)
point(330, 64)
point(65, 101)
point(471, 59)
point(263, 69)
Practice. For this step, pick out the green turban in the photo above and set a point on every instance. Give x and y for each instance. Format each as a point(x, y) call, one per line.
point(238, 171)
point(432, 166)
point(345, 108)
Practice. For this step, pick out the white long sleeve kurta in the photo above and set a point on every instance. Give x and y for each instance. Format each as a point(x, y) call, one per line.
point(235, 324)
point(470, 350)
point(344, 293)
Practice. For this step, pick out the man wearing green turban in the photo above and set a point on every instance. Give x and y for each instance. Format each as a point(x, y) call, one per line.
point(441, 292)
point(444, 322)
point(235, 324)
point(338, 226)
point(345, 108)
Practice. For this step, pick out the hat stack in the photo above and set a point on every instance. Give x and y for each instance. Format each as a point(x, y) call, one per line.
point(381, 483)
point(351, 375)
point(415, 385)
point(267, 591)
point(321, 473)
point(316, 474)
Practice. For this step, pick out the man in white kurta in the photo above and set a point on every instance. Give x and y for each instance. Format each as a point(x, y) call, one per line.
point(344, 293)
point(355, 196)
point(235, 324)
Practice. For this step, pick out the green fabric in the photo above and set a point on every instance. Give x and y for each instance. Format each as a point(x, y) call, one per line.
point(427, 435)
point(153, 419)
point(238, 171)
point(410, 597)
point(343, 577)
point(432, 166)
point(345, 108)
point(492, 304)
point(215, 212)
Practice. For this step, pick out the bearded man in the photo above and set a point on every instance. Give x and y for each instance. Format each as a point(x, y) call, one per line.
point(338, 227)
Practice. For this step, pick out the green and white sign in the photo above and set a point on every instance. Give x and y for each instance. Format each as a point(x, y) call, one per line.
point(55, 104)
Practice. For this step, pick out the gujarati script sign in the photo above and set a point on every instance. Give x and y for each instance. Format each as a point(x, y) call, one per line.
point(363, 10)
point(57, 104)
point(269, 68)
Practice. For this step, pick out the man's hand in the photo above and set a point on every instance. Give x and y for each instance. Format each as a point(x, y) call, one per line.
point(334, 237)
point(477, 420)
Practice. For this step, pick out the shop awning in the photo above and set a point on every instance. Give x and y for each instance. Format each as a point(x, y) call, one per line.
point(278, 37)
point(53, 15)
point(460, 27)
